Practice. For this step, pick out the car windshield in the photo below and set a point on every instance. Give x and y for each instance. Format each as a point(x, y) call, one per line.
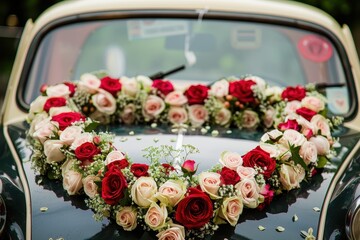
point(208, 49)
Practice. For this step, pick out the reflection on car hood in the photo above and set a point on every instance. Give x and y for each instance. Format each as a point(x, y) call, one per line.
point(69, 218)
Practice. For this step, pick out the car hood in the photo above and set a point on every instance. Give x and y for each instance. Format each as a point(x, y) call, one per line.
point(55, 214)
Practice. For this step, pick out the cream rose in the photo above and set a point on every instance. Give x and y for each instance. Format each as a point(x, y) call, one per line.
point(322, 144)
point(210, 183)
point(104, 102)
point(292, 138)
point(308, 152)
point(246, 172)
point(220, 88)
point(114, 156)
point(272, 135)
point(37, 118)
point(231, 160)
point(145, 82)
point(292, 106)
point(72, 182)
point(89, 83)
point(143, 191)
point(57, 110)
point(69, 134)
point(80, 139)
point(128, 115)
point(44, 130)
point(130, 86)
point(321, 125)
point(126, 217)
point(171, 192)
point(249, 191)
point(223, 116)
point(90, 187)
point(230, 210)
point(37, 106)
point(175, 232)
point(249, 119)
point(155, 216)
point(273, 93)
point(198, 115)
point(59, 90)
point(177, 115)
point(176, 98)
point(153, 107)
point(269, 116)
point(313, 103)
point(291, 176)
point(52, 151)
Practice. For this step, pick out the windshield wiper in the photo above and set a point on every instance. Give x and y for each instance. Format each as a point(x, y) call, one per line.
point(161, 75)
point(329, 85)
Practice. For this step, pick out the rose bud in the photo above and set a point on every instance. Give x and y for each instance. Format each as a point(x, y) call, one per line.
point(97, 140)
point(189, 167)
point(43, 88)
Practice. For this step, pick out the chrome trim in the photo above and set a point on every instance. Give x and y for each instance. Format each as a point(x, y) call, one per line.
point(349, 221)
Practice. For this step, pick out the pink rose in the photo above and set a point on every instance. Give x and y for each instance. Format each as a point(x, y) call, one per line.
point(176, 98)
point(143, 191)
point(250, 119)
point(104, 102)
point(292, 137)
point(89, 83)
point(52, 151)
point(198, 115)
point(308, 152)
point(126, 217)
point(220, 88)
point(210, 183)
point(189, 167)
point(246, 172)
point(321, 125)
point(322, 144)
point(72, 182)
point(292, 106)
point(114, 156)
point(153, 107)
point(155, 216)
point(171, 192)
point(90, 186)
point(269, 116)
point(230, 210)
point(128, 115)
point(249, 191)
point(69, 134)
point(81, 139)
point(59, 90)
point(231, 160)
point(174, 232)
point(44, 130)
point(223, 117)
point(291, 176)
point(313, 103)
point(177, 115)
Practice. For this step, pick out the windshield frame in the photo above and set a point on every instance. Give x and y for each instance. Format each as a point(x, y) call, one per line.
point(215, 15)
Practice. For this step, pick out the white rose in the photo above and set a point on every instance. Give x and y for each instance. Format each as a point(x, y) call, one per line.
point(114, 156)
point(313, 103)
point(69, 134)
point(52, 151)
point(210, 183)
point(291, 176)
point(153, 106)
point(57, 110)
point(89, 83)
point(271, 135)
point(223, 116)
point(250, 192)
point(145, 81)
point(231, 160)
point(175, 232)
point(308, 152)
point(246, 172)
point(80, 139)
point(273, 93)
point(59, 90)
point(292, 106)
point(322, 144)
point(177, 115)
point(126, 217)
point(321, 125)
point(90, 187)
point(249, 119)
point(171, 192)
point(44, 130)
point(129, 86)
point(143, 191)
point(198, 115)
point(261, 84)
point(269, 116)
point(230, 210)
point(72, 182)
point(220, 88)
point(37, 106)
point(128, 114)
point(176, 98)
point(38, 118)
point(293, 138)
point(155, 216)
point(104, 102)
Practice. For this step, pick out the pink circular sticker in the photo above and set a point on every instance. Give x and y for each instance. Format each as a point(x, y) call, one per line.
point(315, 48)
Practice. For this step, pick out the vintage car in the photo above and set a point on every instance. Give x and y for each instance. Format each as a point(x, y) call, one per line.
point(166, 79)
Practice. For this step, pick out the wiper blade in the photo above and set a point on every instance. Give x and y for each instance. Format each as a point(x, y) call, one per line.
point(329, 85)
point(161, 75)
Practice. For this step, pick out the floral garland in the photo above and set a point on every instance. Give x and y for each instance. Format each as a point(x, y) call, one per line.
point(161, 196)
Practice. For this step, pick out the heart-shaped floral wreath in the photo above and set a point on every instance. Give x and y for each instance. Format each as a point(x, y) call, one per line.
point(167, 197)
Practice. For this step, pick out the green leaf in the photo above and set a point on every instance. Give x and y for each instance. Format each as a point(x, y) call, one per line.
point(92, 126)
point(296, 156)
point(126, 200)
point(322, 162)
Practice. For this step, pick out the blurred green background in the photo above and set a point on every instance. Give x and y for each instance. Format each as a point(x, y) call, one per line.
point(14, 14)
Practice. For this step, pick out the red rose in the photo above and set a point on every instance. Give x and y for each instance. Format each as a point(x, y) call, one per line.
point(86, 151)
point(54, 102)
point(306, 113)
point(120, 164)
point(293, 93)
point(241, 89)
point(196, 94)
point(139, 170)
point(165, 87)
point(229, 176)
point(111, 85)
point(261, 159)
point(67, 118)
point(71, 87)
point(168, 168)
point(195, 210)
point(113, 186)
point(268, 196)
point(290, 124)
